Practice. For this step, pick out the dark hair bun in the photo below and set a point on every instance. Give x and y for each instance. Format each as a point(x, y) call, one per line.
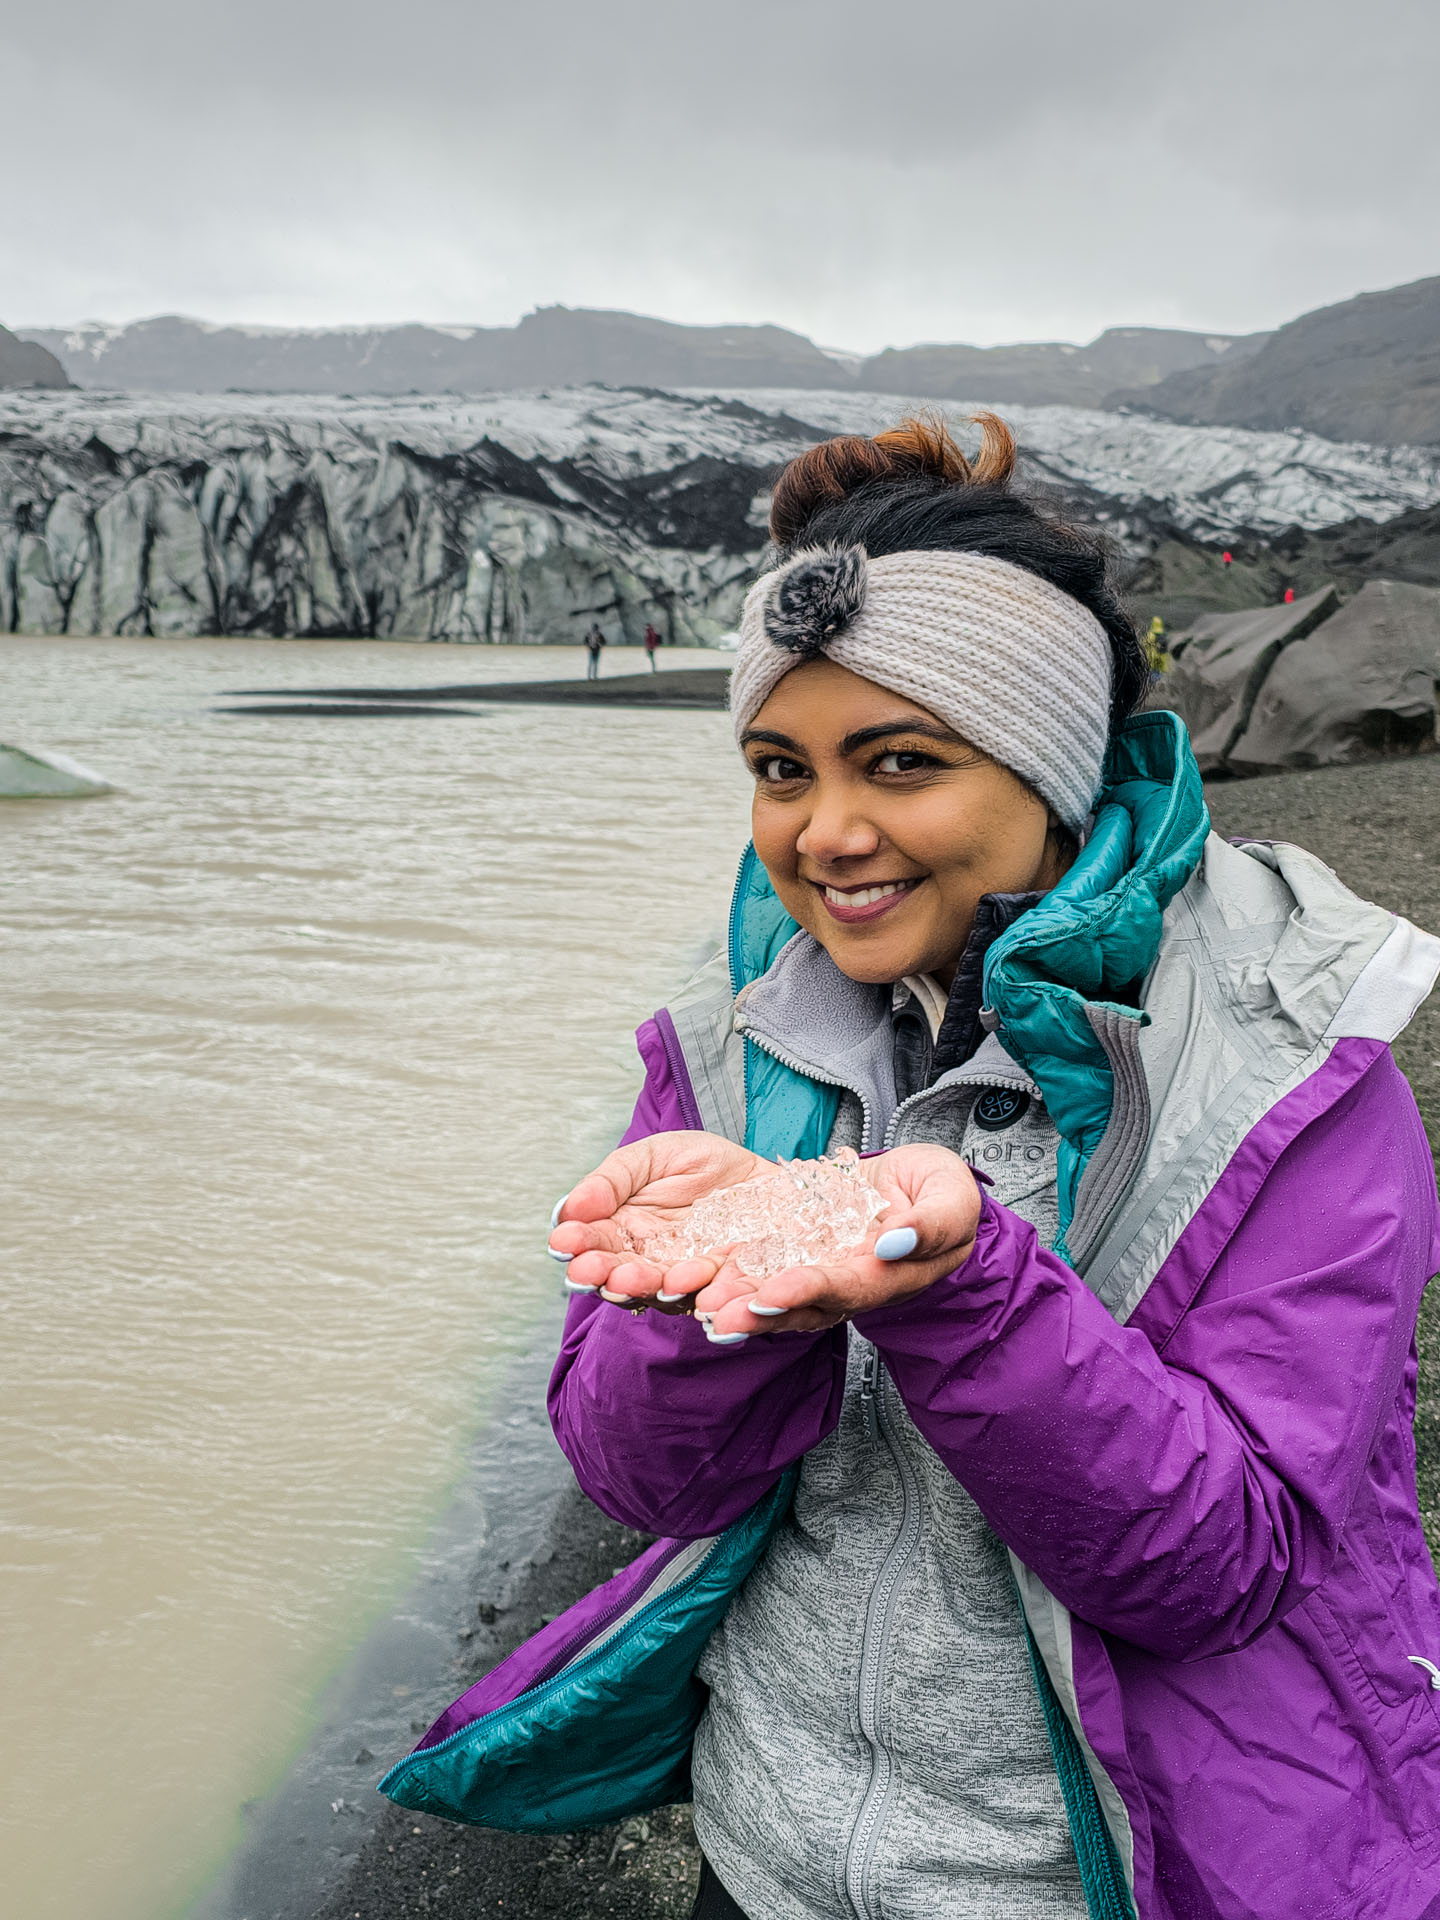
point(922, 445)
point(912, 490)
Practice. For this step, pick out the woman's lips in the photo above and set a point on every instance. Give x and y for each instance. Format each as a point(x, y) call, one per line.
point(851, 905)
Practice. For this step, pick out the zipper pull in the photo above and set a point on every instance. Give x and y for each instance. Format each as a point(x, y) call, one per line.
point(869, 1380)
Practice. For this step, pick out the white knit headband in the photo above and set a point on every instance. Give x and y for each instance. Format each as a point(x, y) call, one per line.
point(1014, 665)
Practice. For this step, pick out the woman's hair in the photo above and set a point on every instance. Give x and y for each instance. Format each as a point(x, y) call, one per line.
point(913, 489)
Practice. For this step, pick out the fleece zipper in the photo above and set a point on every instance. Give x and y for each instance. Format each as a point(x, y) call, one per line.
point(875, 1646)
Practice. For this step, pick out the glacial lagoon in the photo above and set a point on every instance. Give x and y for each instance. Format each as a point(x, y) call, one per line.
point(305, 1026)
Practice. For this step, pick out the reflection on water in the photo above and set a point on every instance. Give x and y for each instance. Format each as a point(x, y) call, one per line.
point(303, 1030)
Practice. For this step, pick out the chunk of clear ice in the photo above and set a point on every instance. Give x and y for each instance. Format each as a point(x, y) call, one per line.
point(805, 1213)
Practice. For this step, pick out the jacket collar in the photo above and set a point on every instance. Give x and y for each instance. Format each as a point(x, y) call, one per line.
point(804, 1011)
point(1079, 960)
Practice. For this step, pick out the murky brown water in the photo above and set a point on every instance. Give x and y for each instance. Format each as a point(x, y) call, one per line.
point(302, 1031)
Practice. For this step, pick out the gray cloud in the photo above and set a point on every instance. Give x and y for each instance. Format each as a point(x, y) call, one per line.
point(930, 170)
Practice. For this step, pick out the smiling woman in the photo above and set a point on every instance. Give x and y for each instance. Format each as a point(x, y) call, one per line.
point(1144, 1382)
point(882, 839)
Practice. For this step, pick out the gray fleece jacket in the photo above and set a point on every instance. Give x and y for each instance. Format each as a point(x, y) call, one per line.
point(874, 1747)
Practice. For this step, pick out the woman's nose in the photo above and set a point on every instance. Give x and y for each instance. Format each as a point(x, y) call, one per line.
point(834, 831)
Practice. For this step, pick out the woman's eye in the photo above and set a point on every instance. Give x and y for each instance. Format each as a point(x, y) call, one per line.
point(778, 769)
point(904, 760)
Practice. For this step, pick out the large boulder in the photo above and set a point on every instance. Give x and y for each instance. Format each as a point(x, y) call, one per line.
point(1361, 686)
point(1222, 662)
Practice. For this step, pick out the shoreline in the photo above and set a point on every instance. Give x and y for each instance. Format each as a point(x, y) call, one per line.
point(518, 1544)
point(679, 689)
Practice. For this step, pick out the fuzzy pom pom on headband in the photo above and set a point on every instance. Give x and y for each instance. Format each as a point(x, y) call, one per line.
point(1014, 665)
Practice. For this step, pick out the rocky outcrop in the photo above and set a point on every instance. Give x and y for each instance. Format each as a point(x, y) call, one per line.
point(1366, 369)
point(1313, 684)
point(24, 363)
point(1221, 664)
point(524, 516)
point(1362, 686)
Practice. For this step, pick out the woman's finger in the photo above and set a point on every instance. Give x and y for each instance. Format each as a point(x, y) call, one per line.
point(726, 1285)
point(687, 1277)
point(734, 1303)
point(934, 1204)
point(591, 1270)
point(632, 1279)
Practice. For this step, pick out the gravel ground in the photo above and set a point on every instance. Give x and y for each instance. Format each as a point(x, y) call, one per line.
point(1377, 826)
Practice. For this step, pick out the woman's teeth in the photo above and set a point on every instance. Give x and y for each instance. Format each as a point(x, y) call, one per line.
point(864, 896)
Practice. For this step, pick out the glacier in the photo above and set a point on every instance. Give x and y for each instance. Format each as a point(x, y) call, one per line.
point(522, 516)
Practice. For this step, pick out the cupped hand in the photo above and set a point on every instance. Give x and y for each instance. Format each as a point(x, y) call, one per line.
point(927, 1230)
point(636, 1192)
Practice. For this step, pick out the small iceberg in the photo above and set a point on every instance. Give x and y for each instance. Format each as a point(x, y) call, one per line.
point(26, 775)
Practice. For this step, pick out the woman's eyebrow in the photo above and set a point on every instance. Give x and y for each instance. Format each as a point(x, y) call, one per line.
point(866, 736)
point(770, 739)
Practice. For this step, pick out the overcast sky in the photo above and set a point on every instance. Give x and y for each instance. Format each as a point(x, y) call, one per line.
point(871, 174)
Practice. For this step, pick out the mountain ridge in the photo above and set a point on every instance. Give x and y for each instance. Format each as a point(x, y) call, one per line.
point(564, 346)
point(1364, 369)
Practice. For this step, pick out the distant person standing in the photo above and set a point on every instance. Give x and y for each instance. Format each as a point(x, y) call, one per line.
point(594, 641)
point(1158, 659)
point(652, 646)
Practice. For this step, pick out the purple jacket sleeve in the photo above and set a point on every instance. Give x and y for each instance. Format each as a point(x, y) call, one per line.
point(1182, 1481)
point(665, 1431)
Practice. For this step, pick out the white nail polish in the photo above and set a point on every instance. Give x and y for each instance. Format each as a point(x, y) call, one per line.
point(578, 1286)
point(563, 1258)
point(755, 1307)
point(725, 1339)
point(615, 1299)
point(898, 1244)
point(555, 1214)
point(670, 1298)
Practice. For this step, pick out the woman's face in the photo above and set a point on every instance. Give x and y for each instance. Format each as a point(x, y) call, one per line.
point(881, 829)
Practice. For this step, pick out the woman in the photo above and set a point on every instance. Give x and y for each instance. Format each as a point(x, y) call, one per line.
point(1102, 1585)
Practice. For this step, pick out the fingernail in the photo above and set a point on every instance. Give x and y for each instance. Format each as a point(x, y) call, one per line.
point(670, 1298)
point(578, 1286)
point(725, 1339)
point(755, 1307)
point(555, 1214)
point(897, 1244)
point(563, 1258)
point(615, 1299)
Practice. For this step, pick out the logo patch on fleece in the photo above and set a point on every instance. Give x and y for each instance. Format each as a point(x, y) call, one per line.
point(1000, 1107)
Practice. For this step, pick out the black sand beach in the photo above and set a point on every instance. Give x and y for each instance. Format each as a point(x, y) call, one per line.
point(1378, 826)
point(679, 688)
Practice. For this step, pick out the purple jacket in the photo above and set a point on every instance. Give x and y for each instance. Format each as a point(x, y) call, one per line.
point(1220, 1491)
